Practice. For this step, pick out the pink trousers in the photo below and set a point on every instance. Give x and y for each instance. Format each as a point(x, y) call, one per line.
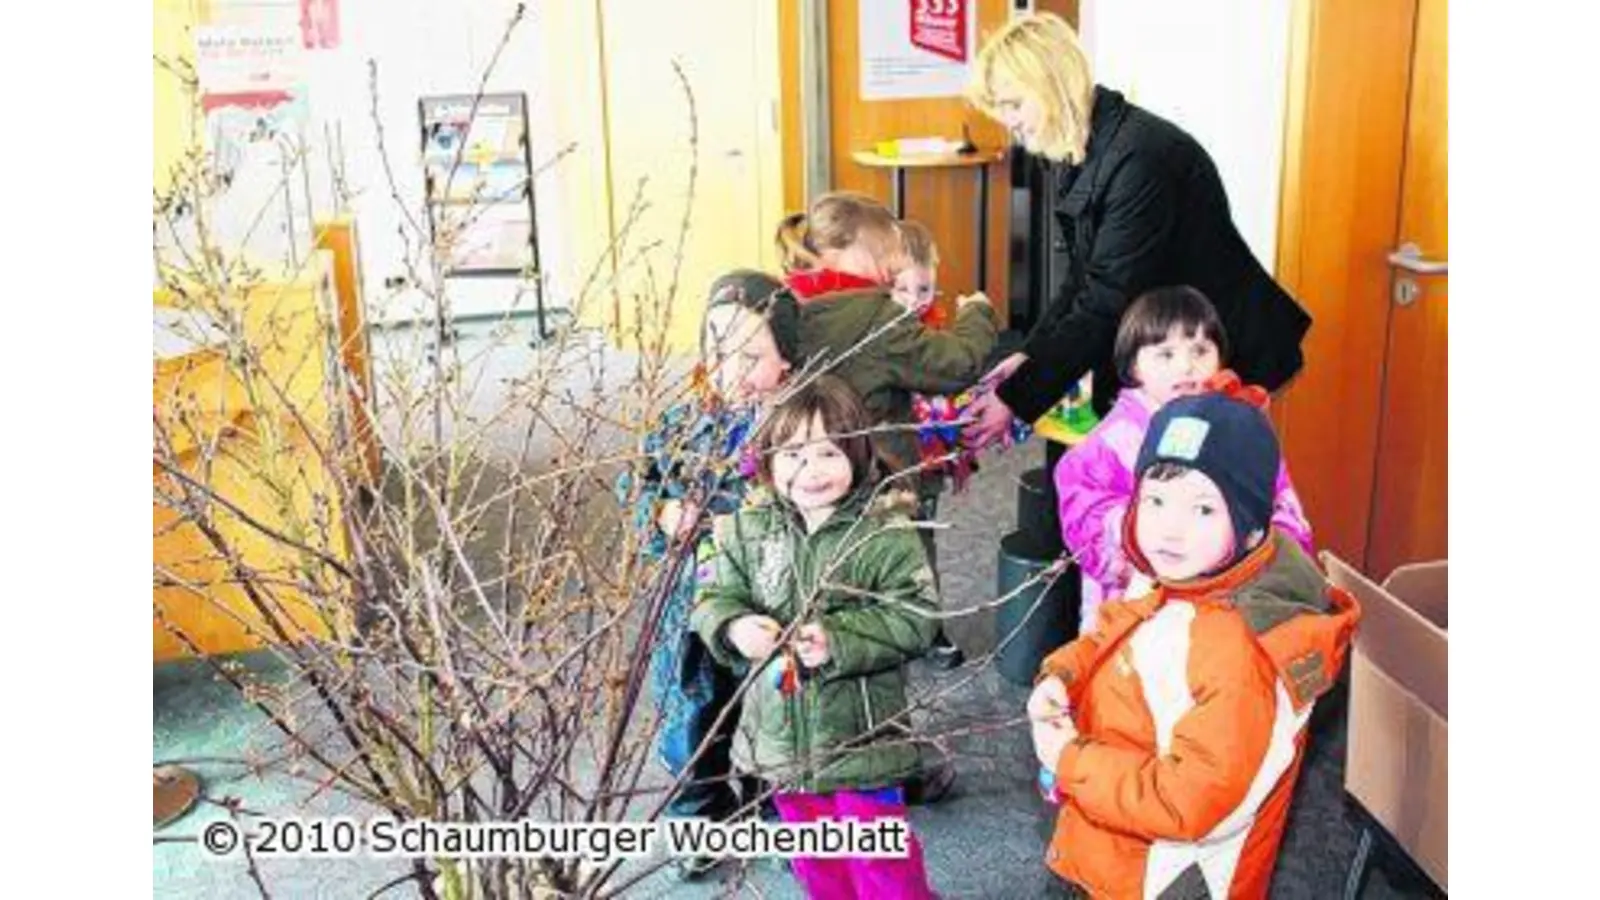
point(861, 878)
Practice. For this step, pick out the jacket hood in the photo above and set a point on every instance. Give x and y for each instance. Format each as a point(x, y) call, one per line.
point(811, 283)
point(1303, 623)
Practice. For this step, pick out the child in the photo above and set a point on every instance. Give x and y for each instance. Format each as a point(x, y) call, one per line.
point(1175, 731)
point(938, 437)
point(828, 600)
point(698, 462)
point(916, 281)
point(915, 289)
point(840, 257)
point(1169, 343)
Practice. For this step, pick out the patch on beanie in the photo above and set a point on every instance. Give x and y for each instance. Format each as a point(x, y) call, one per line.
point(1183, 438)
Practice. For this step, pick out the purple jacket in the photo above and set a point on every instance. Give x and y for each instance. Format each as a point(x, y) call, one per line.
point(1095, 483)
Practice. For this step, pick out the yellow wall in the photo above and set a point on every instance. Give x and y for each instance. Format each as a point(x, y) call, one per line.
point(568, 36)
point(623, 107)
point(263, 448)
point(173, 103)
point(559, 57)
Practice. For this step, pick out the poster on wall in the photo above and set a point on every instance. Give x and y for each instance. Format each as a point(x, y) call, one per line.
point(248, 57)
point(916, 49)
point(477, 178)
point(315, 21)
point(253, 98)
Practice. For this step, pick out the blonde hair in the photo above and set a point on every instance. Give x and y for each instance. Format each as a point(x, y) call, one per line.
point(919, 246)
point(834, 222)
point(1040, 55)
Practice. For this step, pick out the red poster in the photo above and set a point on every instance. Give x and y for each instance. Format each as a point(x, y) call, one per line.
point(940, 26)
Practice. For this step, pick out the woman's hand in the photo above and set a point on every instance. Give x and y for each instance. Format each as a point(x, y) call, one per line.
point(754, 636)
point(991, 420)
point(991, 417)
point(1006, 366)
point(966, 300)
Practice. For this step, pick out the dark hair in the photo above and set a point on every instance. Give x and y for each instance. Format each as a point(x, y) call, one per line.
point(1152, 317)
point(844, 419)
point(759, 293)
point(1166, 470)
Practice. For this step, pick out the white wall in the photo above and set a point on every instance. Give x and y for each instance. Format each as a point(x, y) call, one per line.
point(432, 47)
point(1219, 70)
point(427, 47)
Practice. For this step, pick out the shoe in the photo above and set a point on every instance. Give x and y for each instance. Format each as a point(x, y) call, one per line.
point(750, 788)
point(946, 656)
point(930, 785)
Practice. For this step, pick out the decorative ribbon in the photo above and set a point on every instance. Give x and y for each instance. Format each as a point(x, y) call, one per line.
point(787, 674)
point(939, 423)
point(1228, 384)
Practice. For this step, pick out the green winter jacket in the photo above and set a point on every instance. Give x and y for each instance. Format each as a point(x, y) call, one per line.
point(904, 357)
point(865, 578)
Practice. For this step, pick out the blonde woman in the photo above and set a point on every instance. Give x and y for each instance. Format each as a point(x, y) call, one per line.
point(1141, 207)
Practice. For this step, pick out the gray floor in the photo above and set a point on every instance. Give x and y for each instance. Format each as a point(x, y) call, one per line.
point(986, 840)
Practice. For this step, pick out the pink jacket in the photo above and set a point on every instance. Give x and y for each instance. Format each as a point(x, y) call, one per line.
point(1095, 483)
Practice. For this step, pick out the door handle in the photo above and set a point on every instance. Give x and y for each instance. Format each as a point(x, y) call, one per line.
point(1410, 258)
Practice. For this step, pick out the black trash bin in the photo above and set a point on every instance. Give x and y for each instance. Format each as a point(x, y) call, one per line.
point(1038, 519)
point(1039, 628)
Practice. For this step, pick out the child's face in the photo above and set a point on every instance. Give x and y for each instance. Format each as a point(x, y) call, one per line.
point(1177, 366)
point(1183, 527)
point(810, 470)
point(742, 355)
point(914, 287)
point(872, 256)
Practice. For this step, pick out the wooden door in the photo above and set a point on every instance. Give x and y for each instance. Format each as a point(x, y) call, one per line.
point(942, 199)
point(727, 143)
point(1349, 142)
point(1409, 501)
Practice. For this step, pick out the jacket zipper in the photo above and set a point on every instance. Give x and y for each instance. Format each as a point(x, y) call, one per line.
point(866, 704)
point(802, 748)
point(1106, 655)
point(801, 739)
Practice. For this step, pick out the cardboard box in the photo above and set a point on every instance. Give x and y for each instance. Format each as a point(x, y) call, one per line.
point(1397, 761)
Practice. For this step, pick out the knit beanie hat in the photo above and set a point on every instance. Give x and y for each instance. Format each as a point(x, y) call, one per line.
point(1230, 441)
point(763, 295)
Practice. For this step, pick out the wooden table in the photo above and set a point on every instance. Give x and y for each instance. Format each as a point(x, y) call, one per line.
point(980, 160)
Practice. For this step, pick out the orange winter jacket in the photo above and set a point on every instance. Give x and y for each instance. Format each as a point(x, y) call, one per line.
point(1191, 706)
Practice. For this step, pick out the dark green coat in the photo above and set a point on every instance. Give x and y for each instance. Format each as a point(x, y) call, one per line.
point(865, 578)
point(898, 359)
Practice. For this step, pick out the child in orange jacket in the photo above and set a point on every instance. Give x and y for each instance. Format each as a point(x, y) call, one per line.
point(1174, 732)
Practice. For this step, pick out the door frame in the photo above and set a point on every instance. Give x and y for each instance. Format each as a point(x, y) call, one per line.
point(1349, 86)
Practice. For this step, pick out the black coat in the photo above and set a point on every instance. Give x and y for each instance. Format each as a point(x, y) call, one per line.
point(1147, 209)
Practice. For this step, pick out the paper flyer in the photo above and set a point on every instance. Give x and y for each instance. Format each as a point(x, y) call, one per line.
point(916, 49)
